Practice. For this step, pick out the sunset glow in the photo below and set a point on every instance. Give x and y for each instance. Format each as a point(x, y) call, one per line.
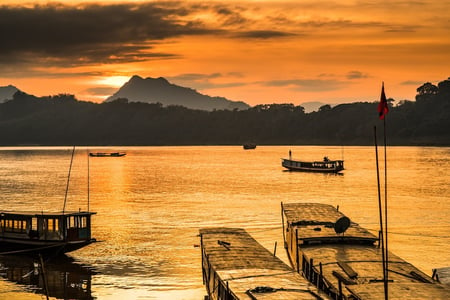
point(252, 51)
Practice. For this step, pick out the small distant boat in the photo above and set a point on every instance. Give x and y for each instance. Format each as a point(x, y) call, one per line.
point(324, 166)
point(44, 232)
point(107, 154)
point(249, 146)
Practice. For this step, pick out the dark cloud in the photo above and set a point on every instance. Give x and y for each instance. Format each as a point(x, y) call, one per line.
point(195, 76)
point(356, 75)
point(412, 82)
point(311, 85)
point(101, 91)
point(263, 34)
point(70, 35)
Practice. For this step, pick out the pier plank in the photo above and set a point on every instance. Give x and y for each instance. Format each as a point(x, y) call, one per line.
point(236, 266)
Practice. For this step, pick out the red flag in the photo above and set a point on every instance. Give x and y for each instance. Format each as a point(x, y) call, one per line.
point(382, 106)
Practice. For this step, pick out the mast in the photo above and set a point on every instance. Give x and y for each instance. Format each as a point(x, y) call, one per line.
point(68, 180)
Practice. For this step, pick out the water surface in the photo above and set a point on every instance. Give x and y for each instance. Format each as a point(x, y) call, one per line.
point(151, 203)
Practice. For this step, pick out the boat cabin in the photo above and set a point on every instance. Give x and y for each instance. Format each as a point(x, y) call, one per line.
point(64, 227)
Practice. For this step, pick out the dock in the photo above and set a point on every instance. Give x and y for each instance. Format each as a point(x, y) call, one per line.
point(343, 259)
point(236, 266)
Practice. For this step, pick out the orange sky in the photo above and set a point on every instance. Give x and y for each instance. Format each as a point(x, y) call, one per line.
point(253, 51)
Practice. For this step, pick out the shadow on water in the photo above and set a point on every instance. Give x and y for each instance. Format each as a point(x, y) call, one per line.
point(63, 277)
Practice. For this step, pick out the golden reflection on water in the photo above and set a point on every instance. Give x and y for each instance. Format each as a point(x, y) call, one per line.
point(151, 203)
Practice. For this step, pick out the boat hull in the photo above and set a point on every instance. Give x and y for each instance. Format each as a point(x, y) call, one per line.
point(11, 246)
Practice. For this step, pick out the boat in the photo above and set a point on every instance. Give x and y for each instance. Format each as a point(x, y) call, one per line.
point(343, 259)
point(323, 166)
point(107, 154)
point(236, 266)
point(44, 232)
point(249, 146)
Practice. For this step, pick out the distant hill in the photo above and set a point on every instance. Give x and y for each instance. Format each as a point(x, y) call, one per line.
point(153, 90)
point(312, 106)
point(7, 92)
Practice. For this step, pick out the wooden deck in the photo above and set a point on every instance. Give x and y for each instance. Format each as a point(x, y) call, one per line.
point(348, 265)
point(236, 266)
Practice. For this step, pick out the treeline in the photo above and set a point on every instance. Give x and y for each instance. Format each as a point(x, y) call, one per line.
point(63, 120)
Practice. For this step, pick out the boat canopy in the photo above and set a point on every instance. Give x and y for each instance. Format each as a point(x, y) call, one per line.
point(48, 226)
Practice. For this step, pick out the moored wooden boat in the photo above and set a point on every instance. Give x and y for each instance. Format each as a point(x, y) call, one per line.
point(324, 166)
point(236, 266)
point(249, 146)
point(107, 154)
point(342, 259)
point(44, 232)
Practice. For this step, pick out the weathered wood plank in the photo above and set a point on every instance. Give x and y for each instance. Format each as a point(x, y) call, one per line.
point(235, 266)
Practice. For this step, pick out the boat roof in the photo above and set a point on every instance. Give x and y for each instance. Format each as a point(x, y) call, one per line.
point(250, 270)
point(46, 213)
point(314, 161)
point(317, 221)
point(406, 290)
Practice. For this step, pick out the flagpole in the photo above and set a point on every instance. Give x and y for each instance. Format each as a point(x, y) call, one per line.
point(380, 212)
point(385, 206)
point(383, 109)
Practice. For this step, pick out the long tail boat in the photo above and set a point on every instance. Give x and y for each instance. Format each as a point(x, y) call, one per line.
point(323, 166)
point(343, 260)
point(107, 154)
point(44, 232)
point(236, 266)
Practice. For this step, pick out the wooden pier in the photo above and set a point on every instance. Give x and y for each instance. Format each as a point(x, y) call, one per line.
point(236, 266)
point(343, 259)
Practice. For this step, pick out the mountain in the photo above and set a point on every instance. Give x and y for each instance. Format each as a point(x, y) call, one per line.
point(153, 90)
point(312, 106)
point(7, 92)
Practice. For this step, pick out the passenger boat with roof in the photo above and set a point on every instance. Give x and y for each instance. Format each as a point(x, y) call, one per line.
point(45, 232)
point(342, 259)
point(323, 166)
point(107, 154)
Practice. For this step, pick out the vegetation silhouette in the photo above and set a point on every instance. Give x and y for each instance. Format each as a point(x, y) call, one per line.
point(64, 120)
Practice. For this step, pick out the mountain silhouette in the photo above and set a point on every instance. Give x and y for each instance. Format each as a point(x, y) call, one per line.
point(154, 90)
point(312, 106)
point(7, 92)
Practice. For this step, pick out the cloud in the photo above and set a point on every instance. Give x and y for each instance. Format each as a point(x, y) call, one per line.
point(412, 82)
point(310, 85)
point(263, 34)
point(356, 75)
point(77, 35)
point(101, 91)
point(203, 81)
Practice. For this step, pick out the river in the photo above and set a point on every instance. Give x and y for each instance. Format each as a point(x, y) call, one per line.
point(151, 203)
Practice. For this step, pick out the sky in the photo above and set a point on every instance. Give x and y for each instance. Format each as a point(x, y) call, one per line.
point(259, 52)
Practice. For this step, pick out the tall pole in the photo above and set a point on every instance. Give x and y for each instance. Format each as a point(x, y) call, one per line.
point(68, 180)
point(88, 187)
point(380, 212)
point(383, 109)
point(385, 208)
